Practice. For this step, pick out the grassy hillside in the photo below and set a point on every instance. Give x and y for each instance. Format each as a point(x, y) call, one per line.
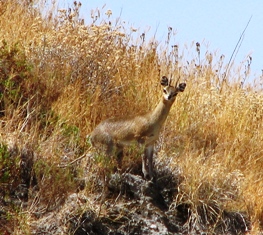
point(59, 77)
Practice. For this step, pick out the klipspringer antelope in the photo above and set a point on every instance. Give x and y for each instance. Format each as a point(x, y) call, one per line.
point(113, 134)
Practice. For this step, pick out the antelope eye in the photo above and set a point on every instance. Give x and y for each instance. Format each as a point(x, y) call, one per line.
point(164, 91)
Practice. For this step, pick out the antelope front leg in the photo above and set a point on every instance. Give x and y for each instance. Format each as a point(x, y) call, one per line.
point(147, 162)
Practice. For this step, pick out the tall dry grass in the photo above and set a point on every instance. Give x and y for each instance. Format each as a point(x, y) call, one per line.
point(61, 76)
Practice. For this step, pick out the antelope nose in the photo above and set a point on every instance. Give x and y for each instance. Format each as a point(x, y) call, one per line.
point(169, 97)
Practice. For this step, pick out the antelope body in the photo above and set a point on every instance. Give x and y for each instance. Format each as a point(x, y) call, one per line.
point(113, 134)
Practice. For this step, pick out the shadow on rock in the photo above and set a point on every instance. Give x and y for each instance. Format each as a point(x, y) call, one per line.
point(136, 206)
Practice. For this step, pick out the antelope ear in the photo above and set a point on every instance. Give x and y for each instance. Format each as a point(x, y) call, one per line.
point(181, 87)
point(164, 81)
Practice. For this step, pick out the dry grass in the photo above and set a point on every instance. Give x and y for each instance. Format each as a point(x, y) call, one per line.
point(61, 77)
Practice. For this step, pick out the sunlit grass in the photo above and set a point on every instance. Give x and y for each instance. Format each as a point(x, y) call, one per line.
point(60, 77)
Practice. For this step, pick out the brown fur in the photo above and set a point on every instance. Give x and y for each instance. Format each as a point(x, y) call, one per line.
point(113, 134)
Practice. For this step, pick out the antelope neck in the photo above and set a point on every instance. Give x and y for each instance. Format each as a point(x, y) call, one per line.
point(161, 111)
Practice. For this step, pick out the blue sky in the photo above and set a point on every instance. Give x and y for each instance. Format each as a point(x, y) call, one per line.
point(217, 23)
